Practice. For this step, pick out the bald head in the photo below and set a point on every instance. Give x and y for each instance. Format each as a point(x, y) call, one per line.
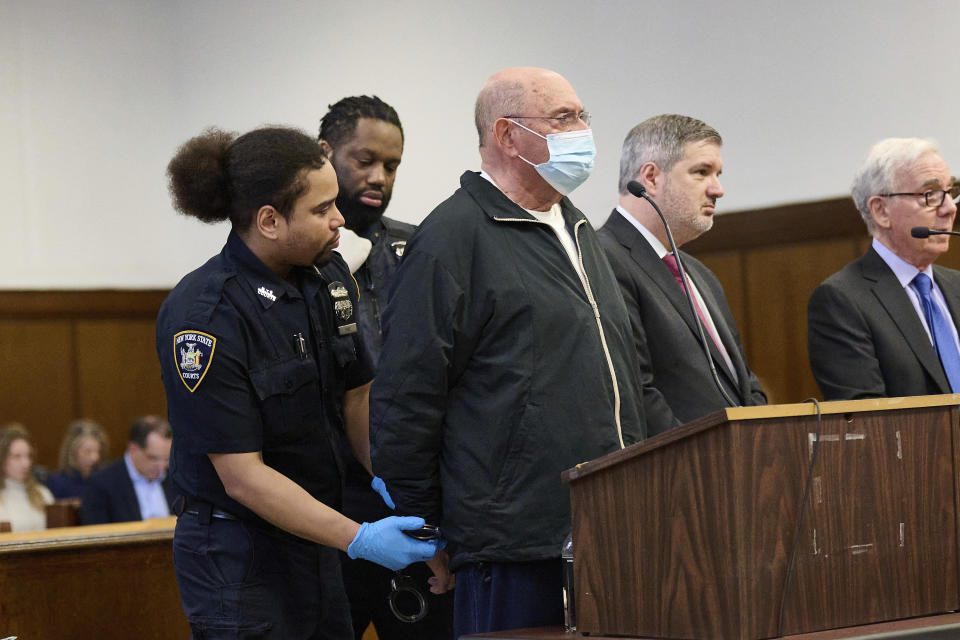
point(510, 151)
point(515, 91)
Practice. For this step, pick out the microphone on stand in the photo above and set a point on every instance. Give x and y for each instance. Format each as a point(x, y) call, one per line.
point(638, 190)
point(923, 232)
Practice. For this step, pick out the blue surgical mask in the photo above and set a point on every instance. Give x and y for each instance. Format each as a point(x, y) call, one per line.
point(571, 158)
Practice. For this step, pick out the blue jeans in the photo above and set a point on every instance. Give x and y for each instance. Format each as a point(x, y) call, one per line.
point(493, 596)
point(239, 581)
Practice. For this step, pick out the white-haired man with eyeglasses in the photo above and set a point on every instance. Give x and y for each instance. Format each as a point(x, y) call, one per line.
point(886, 324)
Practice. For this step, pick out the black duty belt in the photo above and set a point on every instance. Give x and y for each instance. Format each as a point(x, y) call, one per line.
point(202, 509)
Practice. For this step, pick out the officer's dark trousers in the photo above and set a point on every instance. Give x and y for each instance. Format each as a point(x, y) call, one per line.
point(238, 581)
point(492, 596)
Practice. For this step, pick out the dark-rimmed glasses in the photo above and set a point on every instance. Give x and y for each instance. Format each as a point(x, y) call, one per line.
point(934, 198)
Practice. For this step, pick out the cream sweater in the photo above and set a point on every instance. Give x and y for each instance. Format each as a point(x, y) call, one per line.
point(16, 509)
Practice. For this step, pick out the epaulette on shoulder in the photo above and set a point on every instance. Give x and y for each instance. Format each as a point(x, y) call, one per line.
point(209, 295)
point(397, 229)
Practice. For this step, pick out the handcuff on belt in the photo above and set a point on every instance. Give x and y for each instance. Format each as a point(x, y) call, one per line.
point(401, 583)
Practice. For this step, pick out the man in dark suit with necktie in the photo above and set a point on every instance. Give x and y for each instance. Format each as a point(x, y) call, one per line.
point(677, 160)
point(886, 324)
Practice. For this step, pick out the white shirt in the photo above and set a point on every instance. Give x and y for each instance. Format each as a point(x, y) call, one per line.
point(905, 273)
point(555, 220)
point(16, 509)
point(662, 251)
point(150, 495)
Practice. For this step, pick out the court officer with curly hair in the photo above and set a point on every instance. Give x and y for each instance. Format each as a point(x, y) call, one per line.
point(262, 363)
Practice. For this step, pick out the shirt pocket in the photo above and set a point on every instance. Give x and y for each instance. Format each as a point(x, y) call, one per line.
point(291, 399)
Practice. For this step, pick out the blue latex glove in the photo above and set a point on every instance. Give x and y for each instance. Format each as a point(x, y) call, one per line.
point(385, 543)
point(378, 485)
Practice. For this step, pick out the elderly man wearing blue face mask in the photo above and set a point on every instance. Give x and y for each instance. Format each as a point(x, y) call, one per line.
point(507, 357)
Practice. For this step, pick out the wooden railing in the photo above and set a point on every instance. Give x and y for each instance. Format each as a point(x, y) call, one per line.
point(101, 581)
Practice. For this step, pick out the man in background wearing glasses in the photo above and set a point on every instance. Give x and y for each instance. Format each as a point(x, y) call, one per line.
point(507, 357)
point(886, 324)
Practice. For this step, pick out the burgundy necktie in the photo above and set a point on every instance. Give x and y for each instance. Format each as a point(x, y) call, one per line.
point(671, 261)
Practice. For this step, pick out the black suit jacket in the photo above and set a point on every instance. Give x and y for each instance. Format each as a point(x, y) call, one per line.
point(109, 496)
point(865, 337)
point(678, 385)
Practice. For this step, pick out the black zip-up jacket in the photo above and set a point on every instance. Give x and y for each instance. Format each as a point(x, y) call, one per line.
point(389, 237)
point(497, 373)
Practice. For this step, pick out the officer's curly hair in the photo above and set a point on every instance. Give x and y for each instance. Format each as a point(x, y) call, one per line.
point(340, 122)
point(218, 176)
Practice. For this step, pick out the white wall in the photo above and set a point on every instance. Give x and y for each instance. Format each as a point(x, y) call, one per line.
point(96, 96)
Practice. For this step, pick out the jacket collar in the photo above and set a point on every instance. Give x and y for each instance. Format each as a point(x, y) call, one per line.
point(499, 207)
point(268, 286)
point(646, 258)
point(889, 292)
point(372, 231)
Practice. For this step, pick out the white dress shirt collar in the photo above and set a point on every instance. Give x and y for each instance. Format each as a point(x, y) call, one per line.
point(904, 271)
point(652, 239)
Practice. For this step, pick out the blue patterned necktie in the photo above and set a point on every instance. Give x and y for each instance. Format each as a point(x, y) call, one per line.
point(940, 331)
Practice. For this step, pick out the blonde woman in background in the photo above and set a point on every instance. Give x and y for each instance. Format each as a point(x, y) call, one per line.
point(84, 448)
point(22, 498)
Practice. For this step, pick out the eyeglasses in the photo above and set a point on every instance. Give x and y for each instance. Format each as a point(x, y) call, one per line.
point(934, 198)
point(566, 119)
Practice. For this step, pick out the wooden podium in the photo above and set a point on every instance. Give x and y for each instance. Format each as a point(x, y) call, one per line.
point(689, 534)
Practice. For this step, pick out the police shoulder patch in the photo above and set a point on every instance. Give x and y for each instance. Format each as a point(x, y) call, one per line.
point(192, 355)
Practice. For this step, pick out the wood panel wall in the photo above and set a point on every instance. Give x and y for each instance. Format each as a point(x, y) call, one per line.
point(73, 354)
point(70, 354)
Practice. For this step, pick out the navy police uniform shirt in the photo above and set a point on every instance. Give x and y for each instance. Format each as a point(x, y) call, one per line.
point(253, 362)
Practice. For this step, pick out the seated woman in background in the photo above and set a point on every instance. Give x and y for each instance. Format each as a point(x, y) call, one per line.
point(84, 447)
point(22, 498)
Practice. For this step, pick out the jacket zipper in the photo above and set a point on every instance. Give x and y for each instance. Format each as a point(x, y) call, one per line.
point(585, 281)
